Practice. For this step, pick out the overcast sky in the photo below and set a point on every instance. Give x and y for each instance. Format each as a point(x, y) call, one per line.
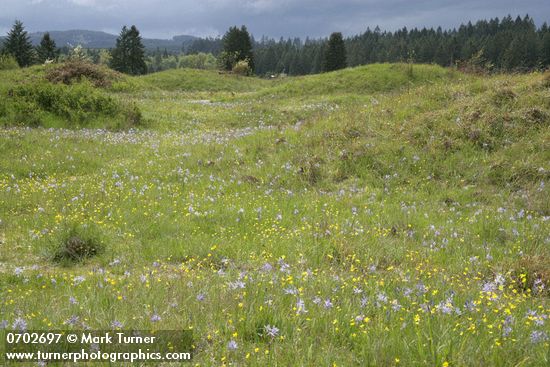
point(288, 18)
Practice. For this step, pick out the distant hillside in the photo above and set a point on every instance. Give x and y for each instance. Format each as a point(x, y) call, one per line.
point(98, 39)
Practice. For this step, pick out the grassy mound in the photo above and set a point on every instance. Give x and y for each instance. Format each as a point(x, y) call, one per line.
point(492, 134)
point(362, 80)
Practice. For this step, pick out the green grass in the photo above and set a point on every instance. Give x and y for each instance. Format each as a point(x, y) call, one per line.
point(194, 80)
point(408, 212)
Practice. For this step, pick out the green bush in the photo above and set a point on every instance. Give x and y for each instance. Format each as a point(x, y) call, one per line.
point(8, 62)
point(20, 113)
point(198, 61)
point(227, 60)
point(78, 104)
point(26, 114)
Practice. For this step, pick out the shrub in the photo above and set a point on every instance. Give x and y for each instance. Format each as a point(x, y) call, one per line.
point(20, 112)
point(8, 62)
point(477, 64)
point(78, 104)
point(26, 114)
point(76, 242)
point(76, 70)
point(242, 68)
point(78, 54)
point(227, 60)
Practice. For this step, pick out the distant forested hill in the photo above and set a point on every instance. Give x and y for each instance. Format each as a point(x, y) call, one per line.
point(98, 39)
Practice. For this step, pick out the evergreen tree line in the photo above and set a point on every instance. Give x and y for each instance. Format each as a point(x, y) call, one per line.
point(505, 44)
point(496, 44)
point(18, 45)
point(128, 56)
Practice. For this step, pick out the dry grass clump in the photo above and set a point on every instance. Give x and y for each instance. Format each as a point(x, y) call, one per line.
point(76, 243)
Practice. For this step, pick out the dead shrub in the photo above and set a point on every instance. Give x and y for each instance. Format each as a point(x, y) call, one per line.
point(76, 70)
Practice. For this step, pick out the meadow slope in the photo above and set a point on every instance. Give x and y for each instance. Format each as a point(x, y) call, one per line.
point(381, 215)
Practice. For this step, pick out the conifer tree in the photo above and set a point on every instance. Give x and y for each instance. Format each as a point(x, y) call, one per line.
point(137, 53)
point(119, 55)
point(522, 53)
point(18, 45)
point(129, 54)
point(47, 49)
point(237, 46)
point(545, 50)
point(335, 54)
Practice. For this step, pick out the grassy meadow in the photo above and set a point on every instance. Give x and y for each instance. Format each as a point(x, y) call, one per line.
point(385, 215)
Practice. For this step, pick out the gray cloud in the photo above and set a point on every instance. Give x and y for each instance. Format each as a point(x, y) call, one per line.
point(165, 18)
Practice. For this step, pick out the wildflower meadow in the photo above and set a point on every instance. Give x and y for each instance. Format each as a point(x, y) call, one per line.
point(373, 216)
